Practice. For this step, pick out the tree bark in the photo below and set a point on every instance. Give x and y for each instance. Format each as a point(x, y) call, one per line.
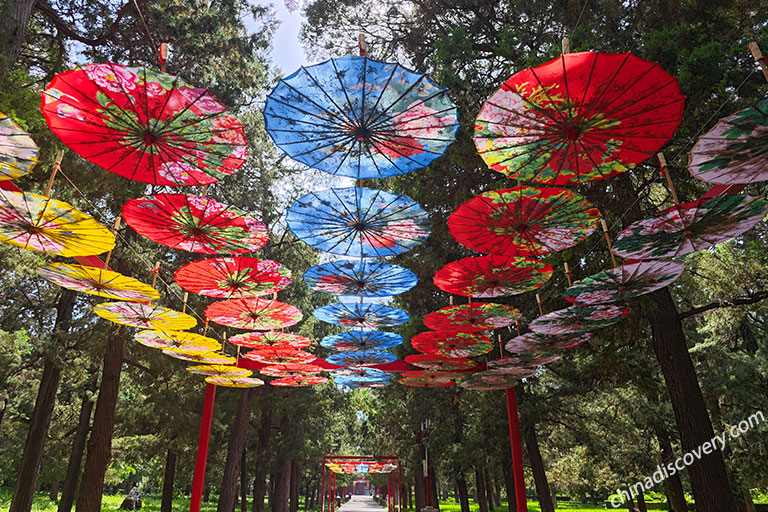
point(282, 483)
point(237, 438)
point(461, 488)
point(295, 477)
point(509, 486)
point(488, 491)
point(482, 500)
point(78, 449)
point(539, 475)
point(260, 480)
point(13, 28)
point(100, 442)
point(433, 487)
point(673, 485)
point(243, 483)
point(53, 493)
point(641, 503)
point(32, 456)
point(709, 480)
point(166, 501)
point(418, 487)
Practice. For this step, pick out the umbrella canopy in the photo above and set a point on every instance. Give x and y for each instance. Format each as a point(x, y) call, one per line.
point(271, 339)
point(580, 117)
point(624, 282)
point(145, 316)
point(428, 375)
point(143, 125)
point(195, 224)
point(184, 341)
point(97, 281)
point(361, 315)
point(295, 381)
point(361, 278)
point(478, 316)
point(532, 341)
point(351, 383)
point(202, 357)
point(253, 314)
point(358, 222)
point(452, 344)
point(361, 374)
point(219, 370)
point(481, 385)
point(233, 278)
point(440, 363)
point(362, 340)
point(358, 117)
point(39, 223)
point(280, 356)
point(234, 381)
point(732, 152)
point(361, 358)
point(577, 319)
point(492, 276)
point(511, 366)
point(524, 221)
point(490, 380)
point(288, 370)
point(689, 227)
point(18, 152)
point(425, 383)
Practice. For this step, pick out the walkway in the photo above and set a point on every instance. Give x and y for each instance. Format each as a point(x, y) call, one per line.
point(361, 503)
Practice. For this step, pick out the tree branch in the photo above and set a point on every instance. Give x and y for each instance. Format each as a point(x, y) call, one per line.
point(44, 7)
point(741, 301)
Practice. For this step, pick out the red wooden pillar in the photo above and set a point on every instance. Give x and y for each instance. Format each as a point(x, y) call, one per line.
point(517, 450)
point(202, 449)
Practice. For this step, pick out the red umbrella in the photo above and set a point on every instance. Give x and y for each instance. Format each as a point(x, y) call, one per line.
point(195, 224)
point(280, 356)
point(291, 369)
point(233, 278)
point(523, 221)
point(271, 339)
point(478, 316)
point(452, 343)
point(253, 314)
point(492, 276)
point(581, 117)
point(143, 125)
point(299, 381)
point(440, 363)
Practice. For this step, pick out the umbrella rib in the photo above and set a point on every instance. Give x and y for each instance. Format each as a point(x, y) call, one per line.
point(339, 116)
point(395, 67)
point(320, 88)
point(423, 116)
point(389, 118)
point(343, 89)
point(383, 117)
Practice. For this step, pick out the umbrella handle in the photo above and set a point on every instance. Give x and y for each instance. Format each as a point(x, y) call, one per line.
point(568, 274)
point(163, 56)
point(665, 171)
point(538, 301)
point(114, 231)
point(566, 45)
point(362, 45)
point(154, 273)
point(608, 242)
point(758, 56)
point(56, 167)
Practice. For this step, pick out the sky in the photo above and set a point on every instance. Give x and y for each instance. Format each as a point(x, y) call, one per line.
point(287, 53)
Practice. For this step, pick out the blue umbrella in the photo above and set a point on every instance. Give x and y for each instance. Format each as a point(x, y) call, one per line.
point(361, 315)
point(362, 118)
point(358, 374)
point(358, 222)
point(361, 358)
point(362, 340)
point(362, 278)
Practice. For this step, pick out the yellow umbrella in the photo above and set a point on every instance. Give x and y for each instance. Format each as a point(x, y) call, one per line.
point(39, 223)
point(235, 382)
point(208, 357)
point(18, 152)
point(177, 341)
point(219, 370)
point(97, 281)
point(145, 316)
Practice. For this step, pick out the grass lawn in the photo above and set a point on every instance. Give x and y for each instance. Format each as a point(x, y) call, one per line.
point(533, 506)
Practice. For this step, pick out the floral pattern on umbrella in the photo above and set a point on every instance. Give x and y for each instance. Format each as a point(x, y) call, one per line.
point(624, 282)
point(580, 117)
point(179, 340)
point(478, 316)
point(360, 373)
point(482, 385)
point(195, 224)
point(577, 319)
point(295, 381)
point(733, 151)
point(271, 339)
point(492, 276)
point(452, 343)
point(38, 223)
point(18, 152)
point(425, 383)
point(219, 370)
point(253, 314)
point(362, 340)
point(361, 315)
point(689, 227)
point(511, 366)
point(234, 381)
point(233, 277)
point(363, 118)
point(358, 222)
point(428, 375)
point(440, 363)
point(523, 221)
point(361, 278)
point(97, 281)
point(290, 369)
point(533, 342)
point(143, 125)
point(145, 316)
point(361, 358)
point(202, 357)
point(280, 356)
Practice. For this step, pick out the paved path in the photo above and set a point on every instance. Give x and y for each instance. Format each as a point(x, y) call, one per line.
point(361, 504)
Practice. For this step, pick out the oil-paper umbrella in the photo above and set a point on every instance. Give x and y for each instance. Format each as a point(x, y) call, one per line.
point(143, 125)
point(97, 281)
point(504, 380)
point(145, 316)
point(195, 224)
point(270, 339)
point(233, 277)
point(361, 358)
point(290, 369)
point(425, 383)
point(295, 381)
point(492, 276)
point(527, 221)
point(428, 375)
point(280, 356)
point(358, 117)
point(179, 340)
point(234, 381)
point(219, 370)
point(18, 152)
point(358, 222)
point(440, 363)
point(482, 385)
point(689, 227)
point(361, 278)
point(452, 343)
point(581, 117)
point(201, 357)
point(511, 366)
point(362, 340)
point(624, 282)
point(733, 151)
point(532, 341)
point(360, 373)
point(478, 316)
point(39, 223)
point(253, 314)
point(577, 319)
point(361, 315)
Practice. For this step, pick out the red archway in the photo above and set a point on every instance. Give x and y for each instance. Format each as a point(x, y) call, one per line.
point(351, 464)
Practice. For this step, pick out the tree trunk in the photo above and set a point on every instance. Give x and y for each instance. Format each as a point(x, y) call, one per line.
point(709, 480)
point(433, 488)
point(749, 505)
point(641, 503)
point(673, 485)
point(207, 493)
point(509, 486)
point(78, 449)
point(461, 488)
point(482, 500)
point(53, 492)
point(409, 496)
point(32, 456)
point(418, 487)
point(295, 477)
point(13, 27)
point(236, 445)
point(243, 483)
point(539, 475)
point(488, 491)
point(270, 490)
point(282, 488)
point(166, 501)
point(260, 480)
